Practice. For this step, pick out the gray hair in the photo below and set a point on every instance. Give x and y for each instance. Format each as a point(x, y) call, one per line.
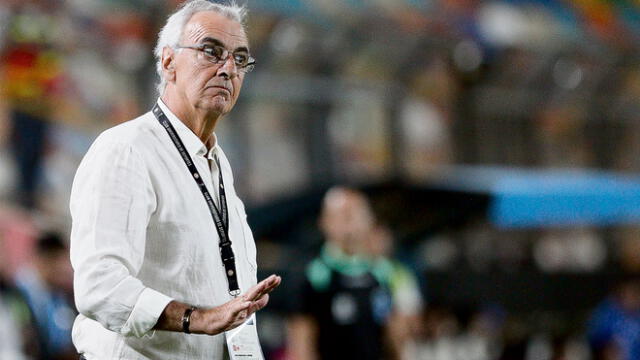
point(171, 33)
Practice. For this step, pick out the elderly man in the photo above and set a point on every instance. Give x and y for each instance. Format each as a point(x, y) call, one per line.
point(160, 246)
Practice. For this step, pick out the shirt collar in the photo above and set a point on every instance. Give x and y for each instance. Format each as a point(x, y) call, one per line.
point(194, 145)
point(352, 265)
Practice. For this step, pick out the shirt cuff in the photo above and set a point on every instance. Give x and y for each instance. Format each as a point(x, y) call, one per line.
point(145, 313)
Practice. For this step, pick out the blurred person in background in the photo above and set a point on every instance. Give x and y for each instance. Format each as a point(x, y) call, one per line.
point(344, 304)
point(159, 236)
point(614, 328)
point(18, 336)
point(405, 290)
point(31, 75)
point(46, 284)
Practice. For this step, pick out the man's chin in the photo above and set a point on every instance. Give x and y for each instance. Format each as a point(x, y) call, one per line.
point(215, 105)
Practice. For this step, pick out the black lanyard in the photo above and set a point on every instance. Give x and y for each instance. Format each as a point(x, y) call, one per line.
point(220, 216)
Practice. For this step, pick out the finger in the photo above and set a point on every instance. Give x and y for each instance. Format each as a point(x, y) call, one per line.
point(271, 286)
point(276, 282)
point(257, 290)
point(240, 306)
point(271, 279)
point(262, 295)
point(271, 283)
point(259, 304)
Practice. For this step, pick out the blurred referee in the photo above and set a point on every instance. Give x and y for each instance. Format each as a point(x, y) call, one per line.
point(160, 246)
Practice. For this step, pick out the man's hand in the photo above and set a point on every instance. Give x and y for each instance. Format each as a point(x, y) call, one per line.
point(220, 318)
point(233, 313)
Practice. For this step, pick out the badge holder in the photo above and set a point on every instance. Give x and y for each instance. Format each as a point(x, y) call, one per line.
point(243, 342)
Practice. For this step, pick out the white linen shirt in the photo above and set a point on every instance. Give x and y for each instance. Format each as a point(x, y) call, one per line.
point(142, 235)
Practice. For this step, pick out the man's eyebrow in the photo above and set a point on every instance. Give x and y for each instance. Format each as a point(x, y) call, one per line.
point(220, 43)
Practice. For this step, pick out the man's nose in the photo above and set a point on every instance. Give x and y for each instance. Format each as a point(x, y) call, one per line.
point(228, 69)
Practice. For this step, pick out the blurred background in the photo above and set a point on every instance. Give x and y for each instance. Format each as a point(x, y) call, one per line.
point(498, 140)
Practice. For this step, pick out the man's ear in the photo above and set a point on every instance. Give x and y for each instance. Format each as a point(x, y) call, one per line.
point(168, 64)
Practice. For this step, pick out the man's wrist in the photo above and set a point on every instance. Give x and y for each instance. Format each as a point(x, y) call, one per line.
point(172, 318)
point(186, 319)
point(201, 321)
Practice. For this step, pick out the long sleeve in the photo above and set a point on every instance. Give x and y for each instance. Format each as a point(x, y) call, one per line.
point(111, 203)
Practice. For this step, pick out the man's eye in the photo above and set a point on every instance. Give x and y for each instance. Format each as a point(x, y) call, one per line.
point(241, 59)
point(213, 51)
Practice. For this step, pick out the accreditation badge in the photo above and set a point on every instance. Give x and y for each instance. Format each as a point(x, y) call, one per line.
point(243, 343)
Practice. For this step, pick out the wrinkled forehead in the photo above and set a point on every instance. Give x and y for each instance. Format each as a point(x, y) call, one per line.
point(210, 24)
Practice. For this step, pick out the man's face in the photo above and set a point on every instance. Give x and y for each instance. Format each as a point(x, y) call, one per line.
point(346, 221)
point(207, 86)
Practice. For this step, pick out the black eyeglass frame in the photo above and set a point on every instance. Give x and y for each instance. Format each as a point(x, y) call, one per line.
point(246, 68)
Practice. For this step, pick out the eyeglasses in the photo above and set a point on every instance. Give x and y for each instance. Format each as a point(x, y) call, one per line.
point(218, 55)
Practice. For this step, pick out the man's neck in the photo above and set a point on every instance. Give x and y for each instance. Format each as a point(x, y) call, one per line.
point(200, 123)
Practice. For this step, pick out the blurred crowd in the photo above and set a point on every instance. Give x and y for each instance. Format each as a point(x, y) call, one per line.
point(36, 302)
point(347, 92)
point(352, 91)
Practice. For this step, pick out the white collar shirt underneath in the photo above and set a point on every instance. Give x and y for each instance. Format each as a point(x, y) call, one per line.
point(142, 235)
